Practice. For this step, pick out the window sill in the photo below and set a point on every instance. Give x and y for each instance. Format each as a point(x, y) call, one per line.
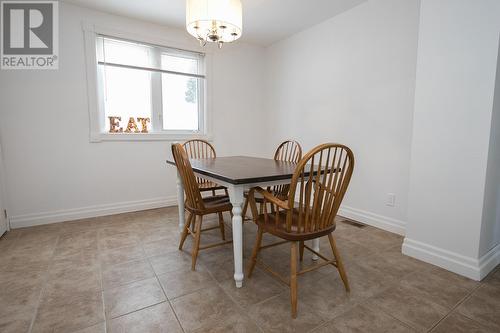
point(100, 137)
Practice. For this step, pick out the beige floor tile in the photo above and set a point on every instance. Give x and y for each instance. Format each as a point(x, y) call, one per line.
point(157, 318)
point(162, 246)
point(363, 319)
point(19, 289)
point(375, 239)
point(232, 322)
point(409, 307)
point(220, 267)
point(73, 279)
point(349, 250)
point(66, 313)
point(366, 282)
point(120, 255)
point(153, 235)
point(97, 328)
point(83, 258)
point(120, 274)
point(392, 263)
point(185, 281)
point(171, 261)
point(118, 240)
point(31, 253)
point(203, 308)
point(436, 289)
point(483, 306)
point(79, 280)
point(258, 288)
point(109, 231)
point(132, 297)
point(457, 323)
point(13, 269)
point(347, 230)
point(16, 321)
point(274, 315)
point(13, 296)
point(61, 268)
point(73, 244)
point(327, 298)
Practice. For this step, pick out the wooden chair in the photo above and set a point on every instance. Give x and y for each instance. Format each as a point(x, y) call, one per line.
point(198, 206)
point(319, 184)
point(198, 148)
point(287, 151)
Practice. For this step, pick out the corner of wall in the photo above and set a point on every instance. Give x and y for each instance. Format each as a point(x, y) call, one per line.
point(473, 268)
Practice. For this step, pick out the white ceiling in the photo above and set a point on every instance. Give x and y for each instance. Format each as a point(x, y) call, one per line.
point(264, 21)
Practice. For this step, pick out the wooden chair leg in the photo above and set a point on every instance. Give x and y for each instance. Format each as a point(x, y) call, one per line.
point(221, 226)
point(340, 264)
point(301, 250)
point(185, 231)
point(196, 245)
point(231, 212)
point(244, 211)
point(255, 252)
point(293, 278)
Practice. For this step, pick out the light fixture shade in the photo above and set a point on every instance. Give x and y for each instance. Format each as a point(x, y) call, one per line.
point(214, 20)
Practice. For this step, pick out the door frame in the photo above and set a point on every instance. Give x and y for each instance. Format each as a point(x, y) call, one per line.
point(3, 196)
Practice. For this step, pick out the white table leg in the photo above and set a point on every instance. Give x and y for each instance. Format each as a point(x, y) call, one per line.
point(315, 247)
point(236, 197)
point(180, 202)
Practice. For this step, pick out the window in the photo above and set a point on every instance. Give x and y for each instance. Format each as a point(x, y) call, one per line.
point(146, 87)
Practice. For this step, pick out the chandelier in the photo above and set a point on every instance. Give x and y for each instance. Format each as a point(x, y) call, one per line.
point(217, 21)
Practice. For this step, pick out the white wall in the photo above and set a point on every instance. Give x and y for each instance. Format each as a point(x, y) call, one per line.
point(490, 227)
point(457, 60)
point(351, 80)
point(54, 173)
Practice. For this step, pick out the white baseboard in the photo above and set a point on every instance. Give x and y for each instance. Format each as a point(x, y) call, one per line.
point(473, 268)
point(375, 220)
point(28, 220)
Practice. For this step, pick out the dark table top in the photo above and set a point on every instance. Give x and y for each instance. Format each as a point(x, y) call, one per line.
point(240, 170)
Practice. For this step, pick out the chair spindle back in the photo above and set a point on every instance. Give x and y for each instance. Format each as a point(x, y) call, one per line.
point(319, 182)
point(193, 195)
point(287, 151)
point(197, 148)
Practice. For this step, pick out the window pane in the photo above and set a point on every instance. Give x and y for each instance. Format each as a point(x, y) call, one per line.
point(127, 94)
point(180, 102)
point(125, 53)
point(179, 63)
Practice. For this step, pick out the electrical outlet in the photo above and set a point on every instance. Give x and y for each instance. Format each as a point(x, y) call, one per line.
point(391, 200)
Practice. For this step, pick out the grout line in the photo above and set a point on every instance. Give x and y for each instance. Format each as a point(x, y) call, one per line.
point(240, 308)
point(102, 283)
point(163, 290)
point(44, 283)
point(463, 300)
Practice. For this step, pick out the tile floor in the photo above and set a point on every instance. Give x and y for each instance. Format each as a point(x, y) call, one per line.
point(123, 273)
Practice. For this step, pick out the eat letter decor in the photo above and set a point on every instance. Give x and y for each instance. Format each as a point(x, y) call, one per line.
point(114, 125)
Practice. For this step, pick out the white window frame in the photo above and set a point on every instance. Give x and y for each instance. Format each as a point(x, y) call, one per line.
point(95, 95)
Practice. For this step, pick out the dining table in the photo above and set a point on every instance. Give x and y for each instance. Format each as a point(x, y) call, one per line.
point(238, 174)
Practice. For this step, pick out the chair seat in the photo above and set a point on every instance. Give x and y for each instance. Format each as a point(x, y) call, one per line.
point(279, 229)
point(209, 186)
point(213, 204)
